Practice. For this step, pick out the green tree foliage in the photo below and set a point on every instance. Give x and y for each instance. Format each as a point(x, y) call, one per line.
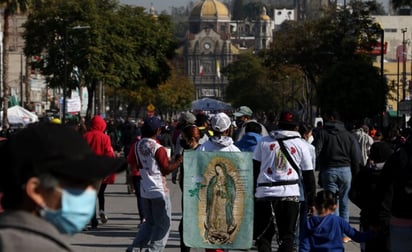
point(400, 3)
point(179, 18)
point(238, 12)
point(377, 8)
point(320, 47)
point(124, 46)
point(252, 10)
point(173, 95)
point(250, 84)
point(354, 88)
point(9, 7)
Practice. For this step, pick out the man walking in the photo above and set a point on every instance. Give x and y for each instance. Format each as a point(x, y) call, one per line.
point(280, 161)
point(243, 117)
point(154, 162)
point(339, 158)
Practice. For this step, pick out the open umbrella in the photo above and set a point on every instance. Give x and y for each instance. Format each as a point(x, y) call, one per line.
point(209, 104)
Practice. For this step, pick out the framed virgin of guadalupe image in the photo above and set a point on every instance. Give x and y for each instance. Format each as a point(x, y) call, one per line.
point(218, 200)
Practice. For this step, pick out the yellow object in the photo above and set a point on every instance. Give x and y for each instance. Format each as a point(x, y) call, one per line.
point(151, 107)
point(209, 9)
point(56, 121)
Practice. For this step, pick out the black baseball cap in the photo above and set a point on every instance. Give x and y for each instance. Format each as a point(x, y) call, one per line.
point(52, 149)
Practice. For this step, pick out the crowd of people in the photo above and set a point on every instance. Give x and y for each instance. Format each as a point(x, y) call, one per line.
point(55, 174)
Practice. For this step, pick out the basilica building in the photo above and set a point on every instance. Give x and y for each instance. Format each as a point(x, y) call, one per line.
point(214, 41)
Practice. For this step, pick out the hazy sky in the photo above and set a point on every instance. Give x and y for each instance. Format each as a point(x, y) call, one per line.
point(159, 5)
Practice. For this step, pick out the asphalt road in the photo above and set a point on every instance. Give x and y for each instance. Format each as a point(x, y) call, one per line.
point(119, 231)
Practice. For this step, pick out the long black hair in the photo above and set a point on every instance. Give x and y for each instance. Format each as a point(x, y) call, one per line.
point(325, 200)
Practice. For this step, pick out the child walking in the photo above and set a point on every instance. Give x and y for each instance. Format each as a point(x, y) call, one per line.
point(323, 232)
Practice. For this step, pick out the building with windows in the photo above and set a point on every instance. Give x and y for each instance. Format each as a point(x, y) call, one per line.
point(397, 62)
point(208, 48)
point(214, 40)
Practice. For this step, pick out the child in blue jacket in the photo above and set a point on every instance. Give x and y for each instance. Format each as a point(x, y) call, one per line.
point(324, 232)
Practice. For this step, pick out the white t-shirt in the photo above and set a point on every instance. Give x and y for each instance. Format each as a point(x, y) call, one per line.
point(152, 184)
point(274, 166)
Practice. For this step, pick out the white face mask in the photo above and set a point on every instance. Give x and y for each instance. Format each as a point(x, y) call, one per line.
point(310, 139)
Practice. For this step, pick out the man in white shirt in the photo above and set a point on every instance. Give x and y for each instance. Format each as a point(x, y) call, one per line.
point(277, 183)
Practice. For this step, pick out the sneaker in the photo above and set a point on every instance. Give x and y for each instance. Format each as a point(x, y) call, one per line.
point(103, 217)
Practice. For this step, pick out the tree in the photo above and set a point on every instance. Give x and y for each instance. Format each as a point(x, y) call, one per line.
point(252, 10)
point(377, 8)
point(238, 12)
point(318, 46)
point(401, 3)
point(253, 84)
point(125, 47)
point(10, 7)
point(354, 88)
point(175, 94)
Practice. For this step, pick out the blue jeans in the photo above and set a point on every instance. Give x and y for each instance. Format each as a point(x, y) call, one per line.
point(153, 233)
point(338, 179)
point(400, 239)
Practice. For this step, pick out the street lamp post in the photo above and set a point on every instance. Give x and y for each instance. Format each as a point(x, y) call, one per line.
point(21, 79)
point(403, 30)
point(66, 34)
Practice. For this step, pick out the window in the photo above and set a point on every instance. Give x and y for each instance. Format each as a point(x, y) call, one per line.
point(391, 30)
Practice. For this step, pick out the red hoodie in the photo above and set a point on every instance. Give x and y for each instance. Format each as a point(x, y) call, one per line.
point(99, 142)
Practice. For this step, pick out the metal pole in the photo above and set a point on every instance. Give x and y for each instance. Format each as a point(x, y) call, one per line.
point(403, 63)
point(382, 52)
point(65, 75)
point(1, 68)
point(66, 34)
point(382, 64)
point(21, 79)
point(397, 99)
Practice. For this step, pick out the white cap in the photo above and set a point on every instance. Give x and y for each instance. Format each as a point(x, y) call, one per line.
point(221, 122)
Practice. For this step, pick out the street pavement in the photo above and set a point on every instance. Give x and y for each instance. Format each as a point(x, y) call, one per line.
point(119, 231)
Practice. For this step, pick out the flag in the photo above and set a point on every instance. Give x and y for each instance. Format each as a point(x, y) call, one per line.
point(201, 70)
point(218, 68)
point(218, 200)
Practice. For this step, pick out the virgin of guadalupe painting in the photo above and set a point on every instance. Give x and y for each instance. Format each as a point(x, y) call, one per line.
point(220, 198)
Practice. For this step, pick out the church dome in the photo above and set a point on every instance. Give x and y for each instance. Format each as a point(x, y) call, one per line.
point(263, 14)
point(209, 9)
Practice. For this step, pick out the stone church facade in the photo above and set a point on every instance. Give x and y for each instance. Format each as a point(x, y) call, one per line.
point(208, 48)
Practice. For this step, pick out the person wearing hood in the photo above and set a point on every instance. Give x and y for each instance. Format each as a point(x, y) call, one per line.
point(324, 231)
point(365, 142)
point(278, 183)
point(339, 157)
point(101, 145)
point(220, 141)
point(251, 137)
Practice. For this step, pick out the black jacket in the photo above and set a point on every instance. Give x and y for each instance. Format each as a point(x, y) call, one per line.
point(394, 190)
point(337, 147)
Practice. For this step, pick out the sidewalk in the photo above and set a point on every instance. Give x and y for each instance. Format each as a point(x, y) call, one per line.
point(119, 231)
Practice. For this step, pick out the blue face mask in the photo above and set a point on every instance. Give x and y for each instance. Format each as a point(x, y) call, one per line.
point(78, 207)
